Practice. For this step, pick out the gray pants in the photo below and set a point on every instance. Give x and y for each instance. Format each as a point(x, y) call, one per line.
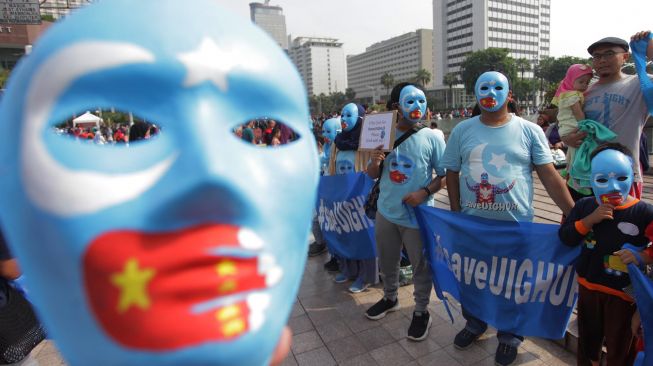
point(389, 240)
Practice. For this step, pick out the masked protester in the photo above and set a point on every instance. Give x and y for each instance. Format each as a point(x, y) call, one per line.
point(489, 159)
point(406, 181)
point(614, 229)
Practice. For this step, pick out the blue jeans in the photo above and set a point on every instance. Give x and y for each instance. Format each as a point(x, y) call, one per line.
point(478, 327)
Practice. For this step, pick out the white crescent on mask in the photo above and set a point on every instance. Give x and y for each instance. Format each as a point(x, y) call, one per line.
point(476, 167)
point(48, 184)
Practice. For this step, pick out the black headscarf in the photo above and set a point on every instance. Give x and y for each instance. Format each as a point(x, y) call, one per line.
point(349, 140)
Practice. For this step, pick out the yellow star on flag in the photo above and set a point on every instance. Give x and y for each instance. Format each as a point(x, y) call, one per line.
point(605, 200)
point(132, 282)
point(226, 268)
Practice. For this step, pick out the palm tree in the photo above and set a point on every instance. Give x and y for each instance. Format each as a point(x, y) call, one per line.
point(422, 77)
point(450, 79)
point(387, 80)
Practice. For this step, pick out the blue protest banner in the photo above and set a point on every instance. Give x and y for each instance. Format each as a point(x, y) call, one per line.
point(348, 232)
point(643, 288)
point(518, 277)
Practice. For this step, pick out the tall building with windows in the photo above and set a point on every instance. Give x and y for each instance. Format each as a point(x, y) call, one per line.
point(464, 26)
point(60, 8)
point(402, 57)
point(321, 63)
point(272, 20)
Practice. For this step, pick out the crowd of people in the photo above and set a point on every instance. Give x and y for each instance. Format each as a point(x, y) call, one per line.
point(600, 126)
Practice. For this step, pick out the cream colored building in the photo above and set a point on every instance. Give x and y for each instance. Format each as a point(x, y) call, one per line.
point(321, 63)
point(401, 56)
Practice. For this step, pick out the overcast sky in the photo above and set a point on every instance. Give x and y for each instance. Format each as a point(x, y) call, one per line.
point(575, 24)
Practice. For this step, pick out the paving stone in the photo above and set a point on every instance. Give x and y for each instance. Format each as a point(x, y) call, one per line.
point(398, 328)
point(297, 310)
point(419, 349)
point(289, 360)
point(391, 355)
point(300, 324)
point(305, 342)
point(316, 357)
point(346, 348)
point(324, 315)
point(361, 360)
point(440, 357)
point(375, 338)
point(360, 323)
point(333, 330)
point(443, 334)
point(466, 357)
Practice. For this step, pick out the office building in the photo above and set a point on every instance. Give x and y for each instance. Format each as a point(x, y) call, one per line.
point(60, 8)
point(402, 57)
point(463, 26)
point(272, 20)
point(321, 63)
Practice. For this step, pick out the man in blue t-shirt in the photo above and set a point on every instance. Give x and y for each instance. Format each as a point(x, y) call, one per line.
point(489, 159)
point(406, 181)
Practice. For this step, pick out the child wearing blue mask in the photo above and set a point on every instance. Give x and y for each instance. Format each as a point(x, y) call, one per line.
point(614, 229)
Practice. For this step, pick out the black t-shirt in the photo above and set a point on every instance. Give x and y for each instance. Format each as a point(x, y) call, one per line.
point(596, 263)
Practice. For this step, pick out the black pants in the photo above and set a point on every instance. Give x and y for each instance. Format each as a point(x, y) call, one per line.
point(603, 317)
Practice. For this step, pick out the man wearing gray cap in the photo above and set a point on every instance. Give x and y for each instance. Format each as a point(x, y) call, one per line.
point(616, 99)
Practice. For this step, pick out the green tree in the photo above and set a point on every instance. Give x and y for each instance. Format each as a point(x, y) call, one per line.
point(4, 75)
point(490, 59)
point(388, 81)
point(553, 70)
point(350, 94)
point(524, 89)
point(522, 66)
point(422, 77)
point(450, 79)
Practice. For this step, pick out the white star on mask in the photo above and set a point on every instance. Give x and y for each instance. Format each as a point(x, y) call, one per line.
point(211, 63)
point(612, 174)
point(498, 160)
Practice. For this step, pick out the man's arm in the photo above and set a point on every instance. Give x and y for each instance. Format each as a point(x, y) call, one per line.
point(555, 187)
point(453, 187)
point(418, 197)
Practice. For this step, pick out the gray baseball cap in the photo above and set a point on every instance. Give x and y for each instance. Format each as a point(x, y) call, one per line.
point(614, 41)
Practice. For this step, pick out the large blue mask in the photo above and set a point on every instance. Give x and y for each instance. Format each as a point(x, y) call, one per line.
point(349, 116)
point(491, 91)
point(331, 128)
point(184, 250)
point(611, 177)
point(413, 103)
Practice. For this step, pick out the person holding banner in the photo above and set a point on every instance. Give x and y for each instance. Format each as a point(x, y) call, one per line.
point(345, 159)
point(489, 160)
point(406, 181)
point(613, 228)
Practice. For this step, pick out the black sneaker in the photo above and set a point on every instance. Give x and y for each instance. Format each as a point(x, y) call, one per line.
point(332, 265)
point(316, 249)
point(384, 306)
point(464, 339)
point(419, 326)
point(506, 355)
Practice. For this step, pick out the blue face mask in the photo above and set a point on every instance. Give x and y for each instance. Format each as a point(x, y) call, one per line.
point(413, 103)
point(492, 91)
point(611, 177)
point(330, 129)
point(349, 116)
point(188, 248)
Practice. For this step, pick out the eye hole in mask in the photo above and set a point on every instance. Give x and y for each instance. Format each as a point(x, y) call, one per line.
point(622, 179)
point(107, 128)
point(484, 88)
point(265, 132)
point(499, 88)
